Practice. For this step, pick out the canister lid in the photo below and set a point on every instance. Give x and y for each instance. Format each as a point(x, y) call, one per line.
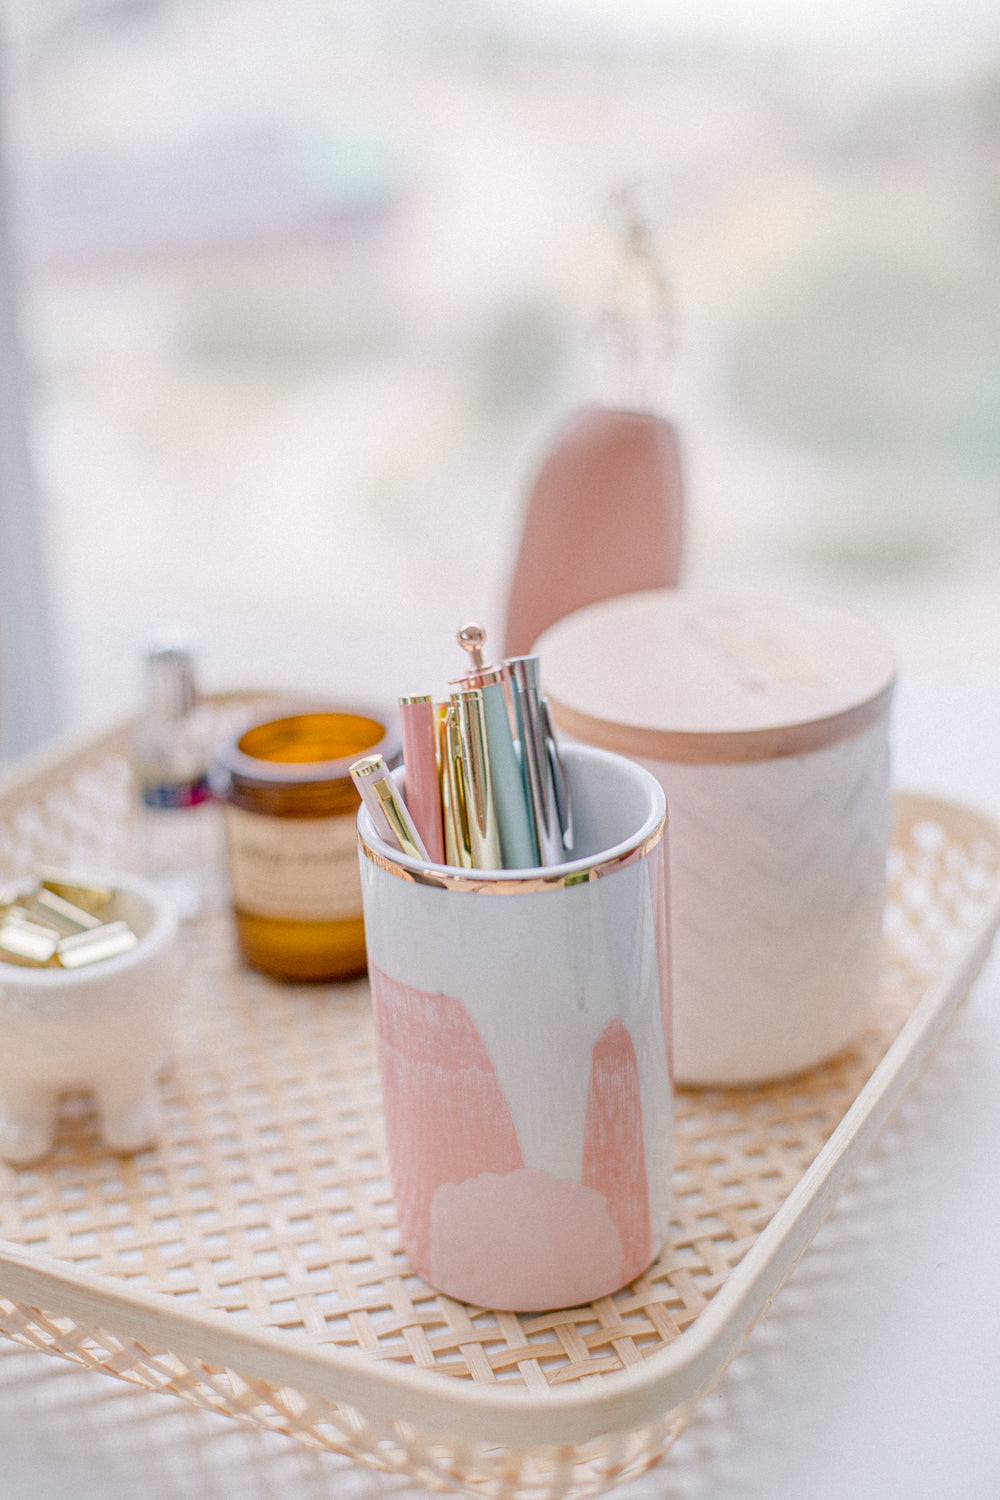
point(679, 675)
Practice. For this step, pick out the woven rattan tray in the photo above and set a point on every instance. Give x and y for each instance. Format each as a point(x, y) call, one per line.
point(250, 1263)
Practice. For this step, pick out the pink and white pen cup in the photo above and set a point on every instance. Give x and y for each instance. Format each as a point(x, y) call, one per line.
point(524, 1041)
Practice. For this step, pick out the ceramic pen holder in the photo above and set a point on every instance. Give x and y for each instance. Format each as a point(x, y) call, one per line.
point(523, 1028)
point(766, 722)
point(105, 1029)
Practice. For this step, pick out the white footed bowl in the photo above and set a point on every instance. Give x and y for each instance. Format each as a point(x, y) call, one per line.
point(105, 1028)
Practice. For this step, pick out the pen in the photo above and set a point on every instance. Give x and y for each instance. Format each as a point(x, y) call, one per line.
point(518, 845)
point(539, 759)
point(418, 728)
point(393, 823)
point(560, 785)
point(477, 780)
point(457, 839)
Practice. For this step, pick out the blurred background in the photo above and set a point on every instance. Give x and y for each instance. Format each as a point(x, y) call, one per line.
point(307, 288)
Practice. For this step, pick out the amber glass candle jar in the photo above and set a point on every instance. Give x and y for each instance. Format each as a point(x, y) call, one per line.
point(290, 812)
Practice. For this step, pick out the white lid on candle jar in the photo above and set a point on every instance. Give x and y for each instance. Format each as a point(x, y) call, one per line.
point(680, 675)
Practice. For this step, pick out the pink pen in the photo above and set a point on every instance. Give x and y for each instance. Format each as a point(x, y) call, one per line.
point(418, 727)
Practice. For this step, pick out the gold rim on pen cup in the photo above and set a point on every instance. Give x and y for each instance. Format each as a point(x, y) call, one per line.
point(590, 867)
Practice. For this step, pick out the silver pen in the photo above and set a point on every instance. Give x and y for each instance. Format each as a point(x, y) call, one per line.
point(541, 766)
point(564, 803)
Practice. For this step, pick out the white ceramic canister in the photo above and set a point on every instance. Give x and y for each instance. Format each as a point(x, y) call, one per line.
point(523, 1025)
point(766, 722)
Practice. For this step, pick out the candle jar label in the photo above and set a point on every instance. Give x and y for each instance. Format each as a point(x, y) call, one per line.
point(299, 869)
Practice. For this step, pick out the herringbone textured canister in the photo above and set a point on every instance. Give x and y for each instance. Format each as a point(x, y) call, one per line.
point(767, 724)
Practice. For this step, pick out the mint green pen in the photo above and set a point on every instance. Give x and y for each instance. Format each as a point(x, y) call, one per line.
point(517, 835)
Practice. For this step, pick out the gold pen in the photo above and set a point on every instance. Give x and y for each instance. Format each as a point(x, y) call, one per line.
point(457, 839)
point(477, 778)
point(518, 844)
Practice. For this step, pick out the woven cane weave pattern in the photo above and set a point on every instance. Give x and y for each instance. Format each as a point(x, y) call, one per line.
point(588, 1468)
point(267, 1197)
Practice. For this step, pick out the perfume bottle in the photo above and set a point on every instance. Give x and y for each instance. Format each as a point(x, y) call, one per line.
point(180, 839)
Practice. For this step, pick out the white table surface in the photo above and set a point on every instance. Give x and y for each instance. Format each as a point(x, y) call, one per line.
point(875, 1375)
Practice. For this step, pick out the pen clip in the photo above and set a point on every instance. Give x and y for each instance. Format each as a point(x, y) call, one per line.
point(403, 831)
